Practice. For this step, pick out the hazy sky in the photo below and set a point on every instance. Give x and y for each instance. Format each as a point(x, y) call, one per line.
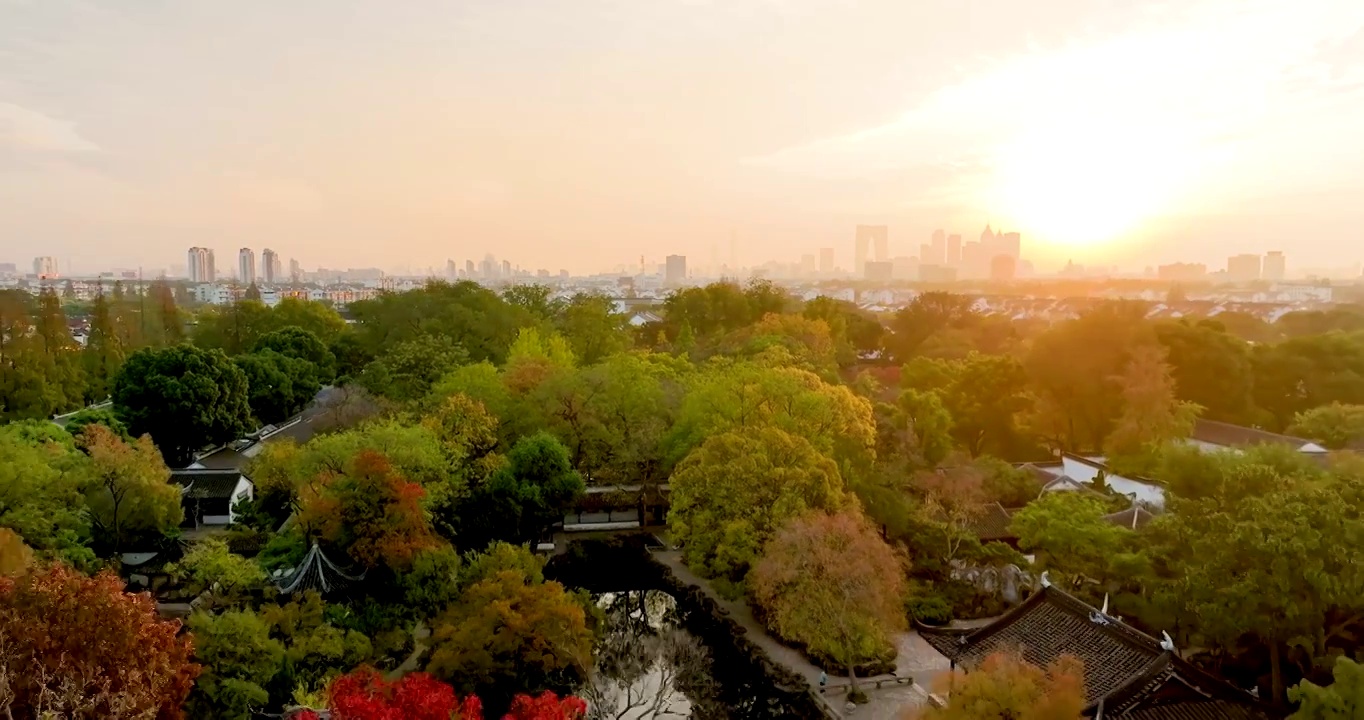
point(583, 133)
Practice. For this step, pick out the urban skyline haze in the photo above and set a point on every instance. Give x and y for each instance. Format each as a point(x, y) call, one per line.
point(582, 136)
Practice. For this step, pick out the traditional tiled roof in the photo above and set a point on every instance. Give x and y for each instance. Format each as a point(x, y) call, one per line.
point(1228, 435)
point(204, 484)
point(1133, 518)
point(316, 572)
point(1126, 671)
point(992, 523)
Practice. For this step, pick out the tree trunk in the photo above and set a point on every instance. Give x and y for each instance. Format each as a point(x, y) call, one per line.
point(1276, 673)
point(852, 680)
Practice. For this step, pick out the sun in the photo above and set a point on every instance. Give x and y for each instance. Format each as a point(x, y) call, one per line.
point(1082, 182)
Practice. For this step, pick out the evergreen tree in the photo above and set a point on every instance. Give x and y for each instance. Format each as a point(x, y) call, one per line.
point(104, 351)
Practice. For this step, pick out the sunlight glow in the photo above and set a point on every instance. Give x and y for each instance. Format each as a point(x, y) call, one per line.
point(1084, 181)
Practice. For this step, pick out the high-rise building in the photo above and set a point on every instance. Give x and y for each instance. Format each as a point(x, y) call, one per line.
point(1243, 268)
point(675, 269)
point(879, 270)
point(45, 267)
point(246, 266)
point(451, 270)
point(269, 266)
point(826, 261)
point(1008, 244)
point(506, 269)
point(1003, 268)
point(934, 252)
point(1274, 267)
point(295, 271)
point(866, 236)
point(881, 247)
point(953, 258)
point(1182, 272)
point(200, 265)
point(469, 271)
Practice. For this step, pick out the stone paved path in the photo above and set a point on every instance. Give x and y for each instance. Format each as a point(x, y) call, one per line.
point(916, 659)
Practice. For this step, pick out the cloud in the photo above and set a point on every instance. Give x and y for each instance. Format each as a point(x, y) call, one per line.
point(27, 131)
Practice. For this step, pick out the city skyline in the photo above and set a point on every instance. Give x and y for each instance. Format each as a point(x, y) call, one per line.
point(1143, 129)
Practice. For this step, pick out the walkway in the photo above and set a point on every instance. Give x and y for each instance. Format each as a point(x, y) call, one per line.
point(916, 659)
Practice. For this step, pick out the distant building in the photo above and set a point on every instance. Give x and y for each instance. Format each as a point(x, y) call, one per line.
point(200, 265)
point(904, 267)
point(934, 252)
point(879, 270)
point(506, 269)
point(469, 271)
point(1243, 268)
point(807, 265)
point(865, 237)
point(295, 271)
point(246, 266)
point(826, 261)
point(1182, 272)
point(270, 266)
point(675, 269)
point(937, 273)
point(1274, 266)
point(953, 258)
point(45, 267)
point(1003, 268)
point(9, 269)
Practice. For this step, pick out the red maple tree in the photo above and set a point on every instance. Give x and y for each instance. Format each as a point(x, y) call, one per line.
point(365, 695)
point(79, 646)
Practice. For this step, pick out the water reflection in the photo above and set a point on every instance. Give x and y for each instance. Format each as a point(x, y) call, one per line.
point(647, 666)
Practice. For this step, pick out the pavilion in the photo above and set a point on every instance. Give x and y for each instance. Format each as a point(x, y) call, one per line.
point(1127, 673)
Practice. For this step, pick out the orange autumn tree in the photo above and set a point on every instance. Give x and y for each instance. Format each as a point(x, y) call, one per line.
point(830, 583)
point(74, 646)
point(1006, 685)
point(369, 510)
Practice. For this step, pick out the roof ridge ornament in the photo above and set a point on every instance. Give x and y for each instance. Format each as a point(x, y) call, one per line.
point(1104, 609)
point(1046, 580)
point(1166, 643)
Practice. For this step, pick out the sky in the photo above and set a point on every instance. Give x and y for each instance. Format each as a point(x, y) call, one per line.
point(586, 134)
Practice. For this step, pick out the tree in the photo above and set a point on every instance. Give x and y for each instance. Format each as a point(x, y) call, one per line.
point(929, 313)
point(299, 344)
point(594, 329)
point(982, 394)
point(1067, 531)
point(365, 695)
point(485, 324)
point(104, 352)
point(954, 499)
point(370, 511)
point(1211, 368)
point(1152, 414)
point(82, 419)
point(234, 328)
point(130, 493)
point(1007, 686)
point(1341, 700)
point(406, 371)
point(1303, 373)
point(1075, 369)
point(763, 392)
point(310, 316)
point(78, 646)
point(808, 341)
point(855, 331)
point(526, 495)
point(511, 631)
point(42, 493)
point(829, 583)
point(278, 386)
point(1336, 425)
point(15, 556)
point(923, 428)
point(210, 565)
point(732, 493)
point(239, 661)
point(184, 397)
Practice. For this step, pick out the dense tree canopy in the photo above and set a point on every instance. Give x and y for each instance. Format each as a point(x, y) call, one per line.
point(184, 397)
point(731, 494)
point(78, 646)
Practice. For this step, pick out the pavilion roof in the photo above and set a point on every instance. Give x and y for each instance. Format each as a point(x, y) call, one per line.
point(316, 572)
point(1127, 672)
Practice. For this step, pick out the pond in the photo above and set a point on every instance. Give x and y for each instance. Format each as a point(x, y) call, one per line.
point(660, 657)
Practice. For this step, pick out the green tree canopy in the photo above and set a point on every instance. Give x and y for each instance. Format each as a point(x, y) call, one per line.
point(1341, 700)
point(1336, 425)
point(185, 397)
point(731, 494)
point(299, 344)
point(522, 498)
